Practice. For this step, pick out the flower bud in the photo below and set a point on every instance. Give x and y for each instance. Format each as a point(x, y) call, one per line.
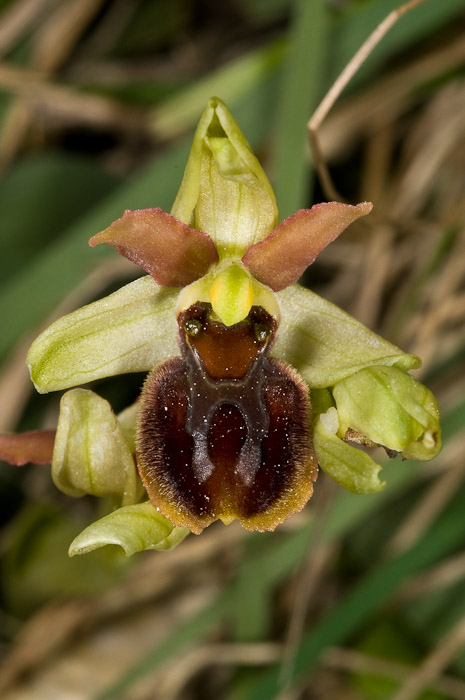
point(392, 409)
point(91, 454)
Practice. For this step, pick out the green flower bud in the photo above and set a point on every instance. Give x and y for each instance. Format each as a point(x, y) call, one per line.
point(91, 454)
point(392, 409)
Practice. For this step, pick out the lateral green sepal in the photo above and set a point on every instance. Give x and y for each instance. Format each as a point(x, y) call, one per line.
point(325, 344)
point(131, 330)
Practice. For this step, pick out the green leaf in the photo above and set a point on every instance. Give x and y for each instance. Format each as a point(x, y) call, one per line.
point(133, 528)
point(57, 189)
point(131, 330)
point(298, 96)
point(325, 344)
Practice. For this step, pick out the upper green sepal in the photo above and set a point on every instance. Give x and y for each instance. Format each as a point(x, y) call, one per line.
point(132, 528)
point(225, 191)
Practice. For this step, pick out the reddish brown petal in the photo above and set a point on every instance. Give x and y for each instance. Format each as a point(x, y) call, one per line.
point(174, 254)
point(35, 446)
point(280, 259)
point(230, 449)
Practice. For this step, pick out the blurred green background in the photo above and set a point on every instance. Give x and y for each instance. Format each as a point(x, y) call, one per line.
point(358, 597)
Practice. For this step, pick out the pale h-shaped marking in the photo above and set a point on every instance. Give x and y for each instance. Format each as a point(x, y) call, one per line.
point(207, 395)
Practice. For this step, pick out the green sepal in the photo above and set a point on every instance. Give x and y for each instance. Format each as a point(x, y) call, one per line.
point(348, 466)
point(325, 344)
point(91, 454)
point(391, 408)
point(131, 330)
point(225, 191)
point(132, 528)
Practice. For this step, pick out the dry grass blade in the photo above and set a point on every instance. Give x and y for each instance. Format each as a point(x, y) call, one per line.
point(357, 662)
point(94, 636)
point(377, 265)
point(412, 189)
point(445, 574)
point(66, 104)
point(18, 17)
point(53, 41)
point(57, 37)
point(313, 571)
point(433, 665)
point(178, 675)
point(338, 86)
point(111, 27)
point(444, 305)
point(387, 98)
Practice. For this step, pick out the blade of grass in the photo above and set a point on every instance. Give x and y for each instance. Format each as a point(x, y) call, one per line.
point(297, 97)
point(346, 617)
point(353, 27)
point(71, 185)
point(194, 629)
point(231, 82)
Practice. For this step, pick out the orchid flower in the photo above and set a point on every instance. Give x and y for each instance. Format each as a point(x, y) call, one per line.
point(254, 382)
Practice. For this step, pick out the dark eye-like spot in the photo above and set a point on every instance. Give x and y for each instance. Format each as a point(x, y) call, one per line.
point(262, 332)
point(193, 327)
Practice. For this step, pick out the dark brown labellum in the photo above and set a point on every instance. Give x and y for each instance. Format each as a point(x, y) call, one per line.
point(224, 430)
